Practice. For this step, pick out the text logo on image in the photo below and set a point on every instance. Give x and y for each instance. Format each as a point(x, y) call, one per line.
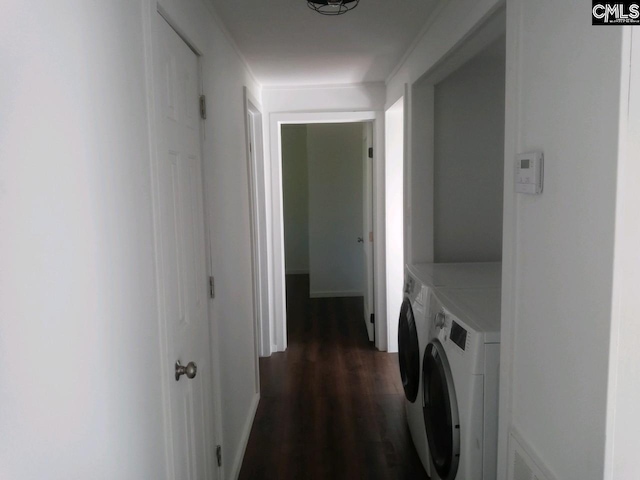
point(619, 13)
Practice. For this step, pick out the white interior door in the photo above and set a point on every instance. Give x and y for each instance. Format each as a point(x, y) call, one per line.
point(181, 259)
point(258, 234)
point(367, 229)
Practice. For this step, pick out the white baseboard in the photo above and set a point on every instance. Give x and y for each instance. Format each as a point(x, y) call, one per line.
point(244, 439)
point(346, 293)
point(297, 272)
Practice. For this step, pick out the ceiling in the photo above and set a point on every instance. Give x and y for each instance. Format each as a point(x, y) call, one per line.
point(286, 43)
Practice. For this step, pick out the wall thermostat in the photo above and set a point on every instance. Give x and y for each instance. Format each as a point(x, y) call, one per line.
point(529, 172)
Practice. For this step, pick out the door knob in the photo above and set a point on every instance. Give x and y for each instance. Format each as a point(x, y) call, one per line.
point(189, 370)
point(360, 240)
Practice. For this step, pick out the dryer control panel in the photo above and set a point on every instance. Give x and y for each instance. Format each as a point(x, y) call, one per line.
point(458, 335)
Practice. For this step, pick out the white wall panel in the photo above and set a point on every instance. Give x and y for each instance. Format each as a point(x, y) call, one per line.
point(623, 415)
point(80, 393)
point(469, 160)
point(561, 241)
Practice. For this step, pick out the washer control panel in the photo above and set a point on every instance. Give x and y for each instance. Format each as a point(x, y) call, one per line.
point(458, 335)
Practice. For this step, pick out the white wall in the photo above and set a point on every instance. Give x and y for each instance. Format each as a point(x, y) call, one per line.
point(469, 160)
point(394, 217)
point(78, 322)
point(419, 177)
point(623, 415)
point(295, 193)
point(80, 393)
point(367, 96)
point(559, 258)
point(335, 210)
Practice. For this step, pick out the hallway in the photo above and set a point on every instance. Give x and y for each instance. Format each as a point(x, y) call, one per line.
point(331, 406)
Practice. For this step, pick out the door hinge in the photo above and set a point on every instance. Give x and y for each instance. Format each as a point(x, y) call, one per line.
point(370, 152)
point(372, 318)
point(203, 107)
point(212, 288)
point(219, 455)
point(250, 148)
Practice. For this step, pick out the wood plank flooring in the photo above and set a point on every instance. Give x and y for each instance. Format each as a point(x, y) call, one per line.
point(332, 406)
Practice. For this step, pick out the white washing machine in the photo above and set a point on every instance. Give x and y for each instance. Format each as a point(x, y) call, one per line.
point(420, 279)
point(413, 335)
point(460, 383)
point(459, 275)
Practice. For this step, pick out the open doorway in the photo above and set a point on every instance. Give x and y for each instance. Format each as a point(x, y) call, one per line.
point(276, 326)
point(327, 211)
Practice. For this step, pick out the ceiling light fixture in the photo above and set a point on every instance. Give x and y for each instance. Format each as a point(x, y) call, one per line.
point(332, 7)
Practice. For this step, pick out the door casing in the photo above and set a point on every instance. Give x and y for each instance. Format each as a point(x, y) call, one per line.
point(277, 324)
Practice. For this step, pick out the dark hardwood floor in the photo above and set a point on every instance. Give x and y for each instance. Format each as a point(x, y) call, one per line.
point(331, 406)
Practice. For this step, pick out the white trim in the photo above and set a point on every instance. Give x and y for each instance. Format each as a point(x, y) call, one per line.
point(394, 214)
point(621, 424)
point(255, 174)
point(337, 116)
point(327, 86)
point(517, 442)
point(435, 14)
point(148, 32)
point(509, 305)
point(342, 294)
point(244, 439)
point(488, 31)
point(274, 203)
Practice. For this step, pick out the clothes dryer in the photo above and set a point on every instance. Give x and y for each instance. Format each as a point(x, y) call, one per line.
point(412, 339)
point(460, 373)
point(415, 323)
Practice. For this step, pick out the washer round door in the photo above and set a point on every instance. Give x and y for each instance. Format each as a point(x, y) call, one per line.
point(408, 351)
point(440, 410)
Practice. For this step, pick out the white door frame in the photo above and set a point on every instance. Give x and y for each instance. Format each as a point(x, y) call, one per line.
point(395, 148)
point(255, 168)
point(214, 414)
point(278, 324)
